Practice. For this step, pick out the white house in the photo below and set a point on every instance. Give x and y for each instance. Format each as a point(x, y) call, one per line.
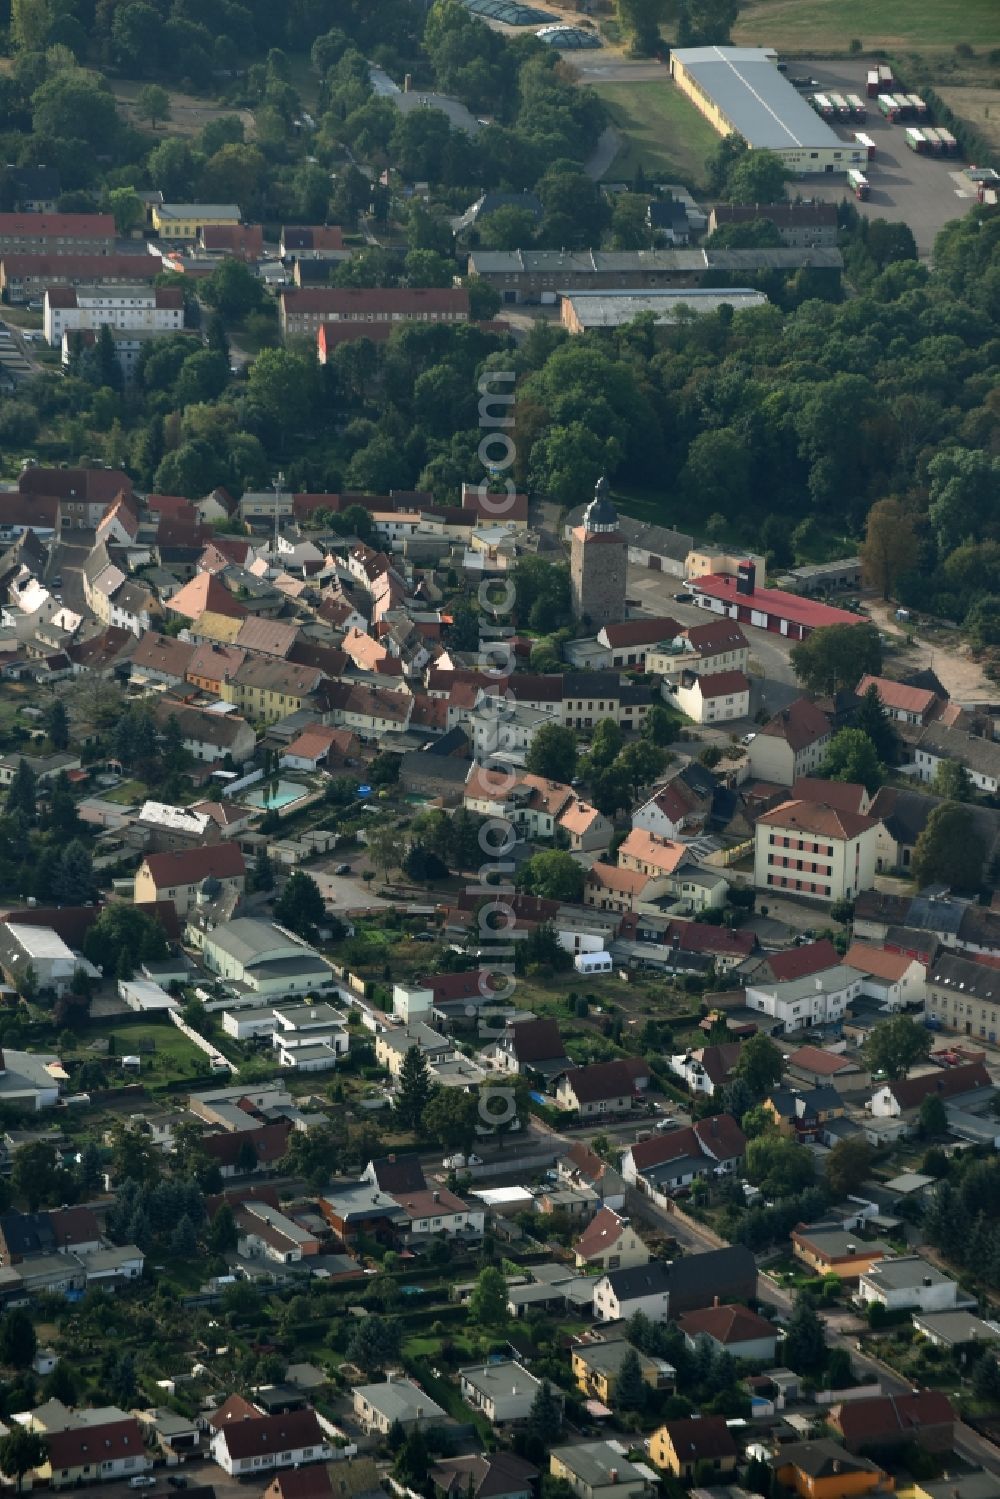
point(301, 1025)
point(40, 949)
point(502, 1392)
point(818, 999)
point(380, 1406)
point(711, 698)
point(250, 1024)
point(815, 849)
point(910, 1283)
point(263, 959)
point(895, 979)
point(246, 1443)
point(619, 1294)
point(68, 309)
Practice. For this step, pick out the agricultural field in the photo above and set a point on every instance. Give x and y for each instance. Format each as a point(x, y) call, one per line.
point(979, 107)
point(818, 26)
point(661, 132)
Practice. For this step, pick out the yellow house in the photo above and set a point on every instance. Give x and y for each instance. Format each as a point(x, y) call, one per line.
point(265, 690)
point(186, 220)
point(824, 1470)
point(680, 1446)
point(596, 1367)
point(830, 1250)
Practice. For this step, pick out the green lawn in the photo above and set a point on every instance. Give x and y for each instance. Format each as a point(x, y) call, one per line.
point(663, 132)
point(166, 1053)
point(126, 793)
point(814, 27)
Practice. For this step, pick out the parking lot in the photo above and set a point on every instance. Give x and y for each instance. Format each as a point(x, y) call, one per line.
point(925, 192)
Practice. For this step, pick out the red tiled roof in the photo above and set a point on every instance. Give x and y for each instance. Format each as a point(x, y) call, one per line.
point(603, 1230)
point(353, 302)
point(868, 1422)
point(726, 1324)
point(877, 962)
point(57, 225)
point(267, 1435)
point(719, 1137)
point(602, 1080)
point(714, 638)
point(269, 1141)
point(909, 1092)
point(311, 1482)
point(189, 866)
point(536, 1040)
point(83, 1446)
point(846, 796)
point(641, 632)
point(818, 818)
point(775, 602)
point(800, 962)
point(897, 696)
point(800, 724)
point(815, 1059)
point(723, 684)
point(205, 592)
point(701, 1437)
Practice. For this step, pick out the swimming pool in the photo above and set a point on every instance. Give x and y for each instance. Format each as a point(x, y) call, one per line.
point(273, 796)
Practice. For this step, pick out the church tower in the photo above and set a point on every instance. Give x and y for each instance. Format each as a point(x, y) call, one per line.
point(598, 563)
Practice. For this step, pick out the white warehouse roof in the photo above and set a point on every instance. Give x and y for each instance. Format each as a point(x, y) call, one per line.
point(757, 101)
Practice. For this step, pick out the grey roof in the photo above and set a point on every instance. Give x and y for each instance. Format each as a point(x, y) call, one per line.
point(929, 914)
point(756, 100)
point(906, 1273)
point(827, 981)
point(610, 309)
point(504, 1378)
point(399, 1400)
point(594, 1463)
point(981, 755)
point(247, 939)
point(602, 262)
point(835, 1241)
point(957, 1327)
point(955, 972)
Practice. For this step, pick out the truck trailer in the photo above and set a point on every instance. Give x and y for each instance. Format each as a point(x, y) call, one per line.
point(859, 183)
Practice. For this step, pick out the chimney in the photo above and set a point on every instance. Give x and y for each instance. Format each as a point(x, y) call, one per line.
point(437, 1198)
point(836, 1465)
point(927, 1280)
point(852, 1249)
point(613, 1475)
point(746, 578)
point(715, 1301)
point(407, 82)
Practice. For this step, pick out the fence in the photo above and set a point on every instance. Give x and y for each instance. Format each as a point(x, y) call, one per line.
point(214, 1055)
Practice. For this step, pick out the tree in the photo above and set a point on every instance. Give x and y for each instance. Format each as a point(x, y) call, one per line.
point(760, 1065)
point(836, 656)
point(630, 1393)
point(641, 19)
point(704, 23)
point(37, 1176)
point(933, 1118)
point(659, 726)
point(554, 875)
point(123, 928)
point(545, 1418)
point(17, 1342)
point(757, 177)
point(73, 881)
point(507, 228)
point(183, 1240)
point(385, 849)
point(300, 905)
point(422, 866)
point(952, 781)
point(896, 1045)
point(985, 1378)
point(852, 757)
point(412, 1462)
point(778, 1166)
point(949, 850)
point(414, 1090)
point(127, 209)
point(21, 1450)
point(890, 545)
point(872, 719)
point(263, 870)
point(552, 753)
point(848, 1165)
point(450, 1118)
point(56, 722)
point(805, 1337)
point(223, 1235)
point(233, 290)
point(488, 1302)
point(21, 792)
point(71, 107)
point(123, 1381)
point(605, 742)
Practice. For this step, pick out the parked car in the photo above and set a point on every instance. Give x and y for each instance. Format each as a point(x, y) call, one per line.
point(342, 869)
point(142, 1481)
point(682, 598)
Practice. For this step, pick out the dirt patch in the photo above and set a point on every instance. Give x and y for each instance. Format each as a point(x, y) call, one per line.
point(188, 114)
point(951, 661)
point(979, 107)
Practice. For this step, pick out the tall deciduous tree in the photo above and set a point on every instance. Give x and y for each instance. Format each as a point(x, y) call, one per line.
point(552, 753)
point(949, 851)
point(896, 1045)
point(890, 545)
point(759, 1065)
point(837, 656)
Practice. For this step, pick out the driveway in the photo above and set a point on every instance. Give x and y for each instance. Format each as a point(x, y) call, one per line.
point(342, 892)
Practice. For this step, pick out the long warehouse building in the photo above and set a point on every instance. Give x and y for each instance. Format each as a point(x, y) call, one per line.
point(740, 91)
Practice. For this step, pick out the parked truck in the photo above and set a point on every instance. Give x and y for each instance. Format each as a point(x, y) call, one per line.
point(915, 138)
point(885, 78)
point(933, 139)
point(858, 183)
point(823, 106)
point(866, 143)
point(949, 145)
point(841, 108)
point(857, 106)
point(888, 107)
point(873, 87)
point(918, 106)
